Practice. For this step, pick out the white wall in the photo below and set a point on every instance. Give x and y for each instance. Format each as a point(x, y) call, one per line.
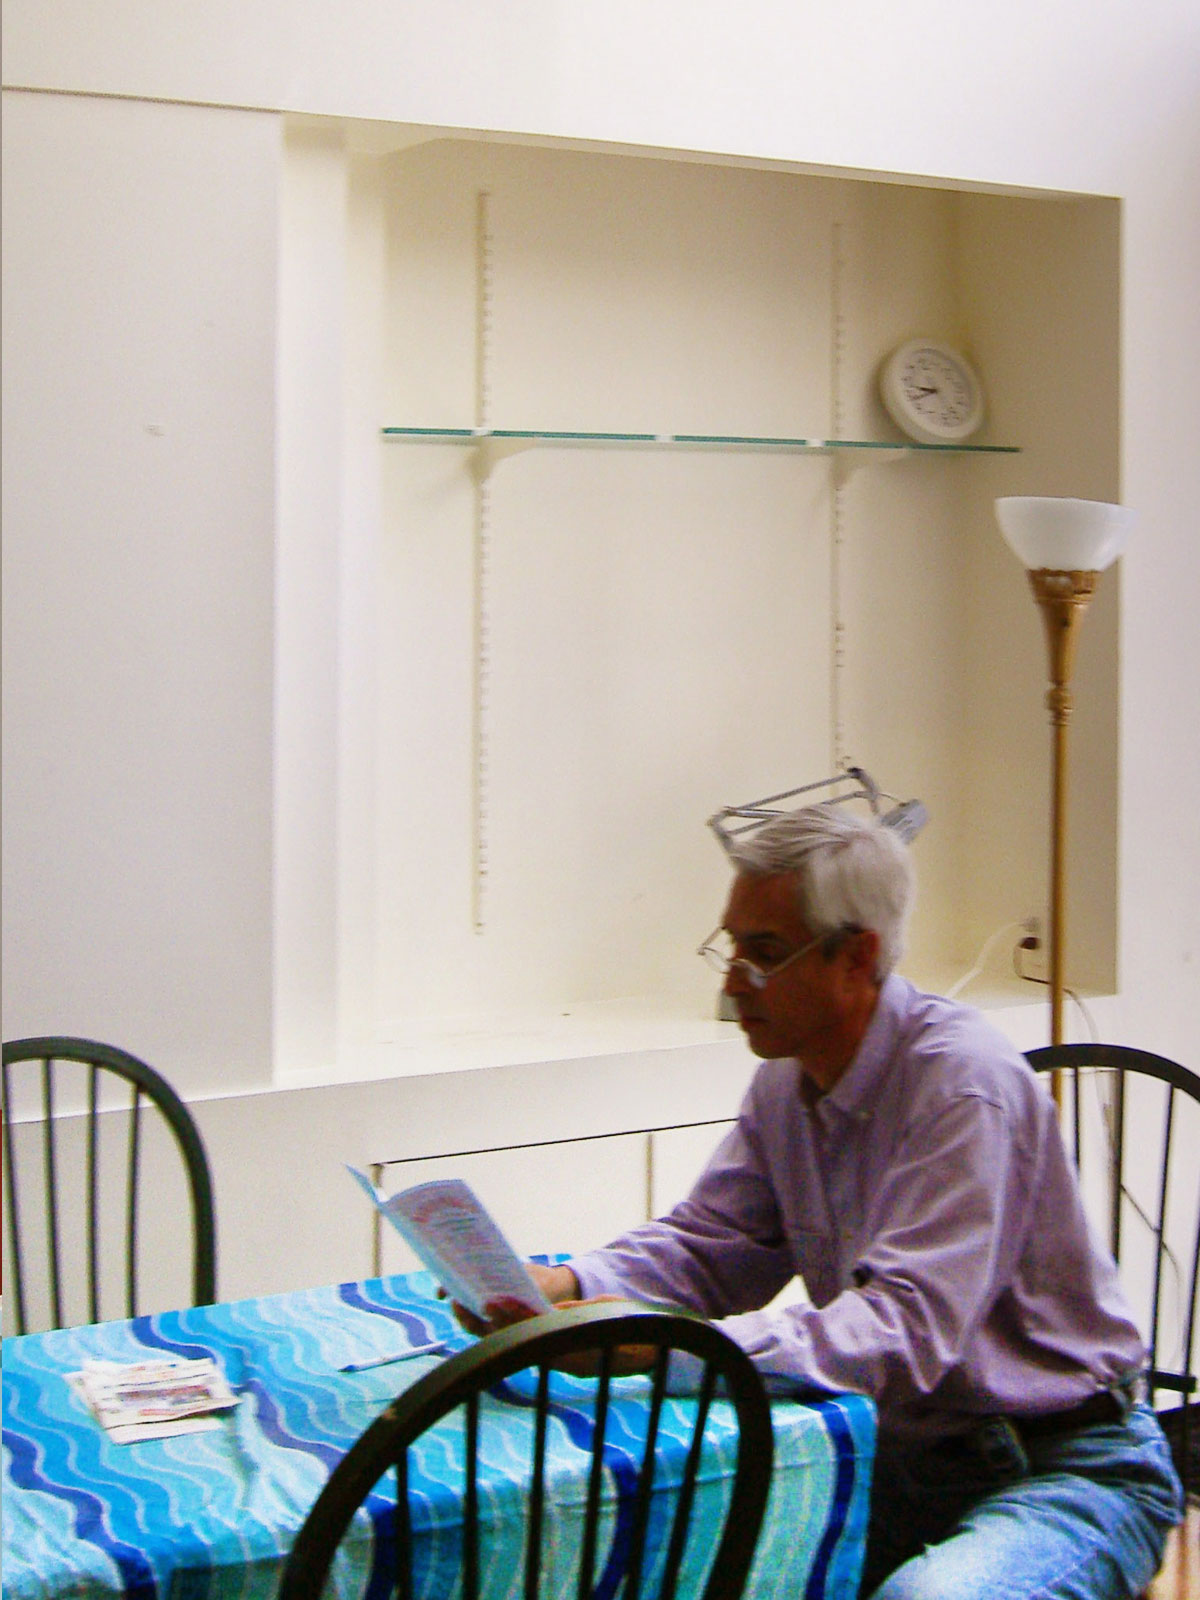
point(1054, 382)
point(1027, 97)
point(139, 380)
point(141, 281)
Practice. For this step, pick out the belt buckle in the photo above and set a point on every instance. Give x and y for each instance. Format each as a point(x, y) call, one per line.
point(1123, 1395)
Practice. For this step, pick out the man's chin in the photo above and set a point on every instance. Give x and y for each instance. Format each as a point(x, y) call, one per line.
point(758, 1036)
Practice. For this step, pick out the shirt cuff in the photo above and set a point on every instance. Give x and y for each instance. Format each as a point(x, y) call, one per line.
point(593, 1279)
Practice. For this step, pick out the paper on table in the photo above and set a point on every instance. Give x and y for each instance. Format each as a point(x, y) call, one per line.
point(153, 1399)
point(458, 1241)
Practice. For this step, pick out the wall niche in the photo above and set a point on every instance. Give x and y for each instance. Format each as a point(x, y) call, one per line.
point(518, 685)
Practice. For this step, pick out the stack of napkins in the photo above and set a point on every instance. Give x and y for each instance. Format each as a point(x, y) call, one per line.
point(153, 1399)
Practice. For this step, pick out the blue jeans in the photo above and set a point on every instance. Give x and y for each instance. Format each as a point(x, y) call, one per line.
point(1078, 1516)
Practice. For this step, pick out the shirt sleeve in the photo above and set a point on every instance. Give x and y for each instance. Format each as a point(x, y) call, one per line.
point(720, 1251)
point(947, 1224)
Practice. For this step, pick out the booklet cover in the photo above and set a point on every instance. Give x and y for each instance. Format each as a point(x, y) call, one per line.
point(452, 1233)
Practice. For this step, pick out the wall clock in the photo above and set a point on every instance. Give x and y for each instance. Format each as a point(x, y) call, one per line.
point(931, 392)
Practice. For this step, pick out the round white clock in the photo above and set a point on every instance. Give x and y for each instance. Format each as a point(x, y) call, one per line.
point(931, 392)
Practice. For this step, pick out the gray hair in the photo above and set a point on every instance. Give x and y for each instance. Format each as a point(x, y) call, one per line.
point(849, 872)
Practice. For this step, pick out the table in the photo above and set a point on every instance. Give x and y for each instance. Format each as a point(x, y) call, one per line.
point(210, 1516)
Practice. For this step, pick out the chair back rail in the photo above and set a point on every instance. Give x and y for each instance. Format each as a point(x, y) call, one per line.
point(540, 1344)
point(97, 1062)
point(1176, 1247)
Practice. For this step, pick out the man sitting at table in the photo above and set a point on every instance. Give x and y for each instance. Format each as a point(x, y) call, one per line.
point(898, 1154)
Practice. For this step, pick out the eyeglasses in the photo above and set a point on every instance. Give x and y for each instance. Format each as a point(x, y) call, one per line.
point(717, 952)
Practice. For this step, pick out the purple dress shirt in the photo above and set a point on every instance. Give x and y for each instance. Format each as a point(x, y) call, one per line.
point(931, 1208)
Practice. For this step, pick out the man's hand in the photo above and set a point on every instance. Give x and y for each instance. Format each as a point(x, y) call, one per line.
point(561, 1288)
point(558, 1284)
point(627, 1358)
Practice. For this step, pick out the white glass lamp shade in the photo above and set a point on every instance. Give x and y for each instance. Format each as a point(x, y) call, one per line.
point(1063, 535)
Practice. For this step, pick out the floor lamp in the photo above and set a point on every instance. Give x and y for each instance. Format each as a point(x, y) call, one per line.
point(1066, 545)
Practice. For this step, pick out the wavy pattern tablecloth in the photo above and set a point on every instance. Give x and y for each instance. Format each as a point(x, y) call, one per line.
point(210, 1516)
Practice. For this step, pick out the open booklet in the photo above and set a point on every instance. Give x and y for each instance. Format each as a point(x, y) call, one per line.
point(452, 1233)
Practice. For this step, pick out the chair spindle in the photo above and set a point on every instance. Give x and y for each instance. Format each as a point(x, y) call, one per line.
point(11, 1191)
point(93, 1160)
point(470, 1586)
point(683, 1512)
point(51, 1175)
point(587, 1561)
point(641, 1509)
point(537, 1490)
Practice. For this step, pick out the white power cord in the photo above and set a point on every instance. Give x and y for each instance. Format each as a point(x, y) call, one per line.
point(960, 984)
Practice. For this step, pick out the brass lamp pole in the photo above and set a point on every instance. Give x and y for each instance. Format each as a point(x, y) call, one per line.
point(1063, 598)
point(1066, 545)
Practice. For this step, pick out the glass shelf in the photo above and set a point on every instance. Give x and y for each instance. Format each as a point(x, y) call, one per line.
point(493, 445)
point(528, 438)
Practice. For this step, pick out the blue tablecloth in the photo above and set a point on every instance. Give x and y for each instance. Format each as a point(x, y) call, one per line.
point(210, 1516)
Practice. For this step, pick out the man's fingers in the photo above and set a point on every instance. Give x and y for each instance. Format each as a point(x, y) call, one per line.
point(505, 1310)
point(466, 1319)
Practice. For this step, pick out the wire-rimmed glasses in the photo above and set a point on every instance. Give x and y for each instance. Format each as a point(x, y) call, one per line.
point(717, 950)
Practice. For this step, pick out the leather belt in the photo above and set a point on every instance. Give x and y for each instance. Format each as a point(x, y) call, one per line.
point(1103, 1407)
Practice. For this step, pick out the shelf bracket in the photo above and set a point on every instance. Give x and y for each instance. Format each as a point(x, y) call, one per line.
point(848, 462)
point(488, 452)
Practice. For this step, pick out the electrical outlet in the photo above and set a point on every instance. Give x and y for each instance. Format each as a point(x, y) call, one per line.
point(1030, 955)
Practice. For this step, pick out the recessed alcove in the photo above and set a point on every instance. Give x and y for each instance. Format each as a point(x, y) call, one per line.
point(509, 698)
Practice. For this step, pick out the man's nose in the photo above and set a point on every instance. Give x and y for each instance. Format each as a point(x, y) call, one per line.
point(737, 980)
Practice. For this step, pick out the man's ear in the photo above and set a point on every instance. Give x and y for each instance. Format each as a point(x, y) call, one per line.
point(862, 952)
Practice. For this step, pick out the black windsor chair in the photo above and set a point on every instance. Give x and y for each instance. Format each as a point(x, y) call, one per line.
point(540, 1343)
point(68, 1068)
point(1164, 1287)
